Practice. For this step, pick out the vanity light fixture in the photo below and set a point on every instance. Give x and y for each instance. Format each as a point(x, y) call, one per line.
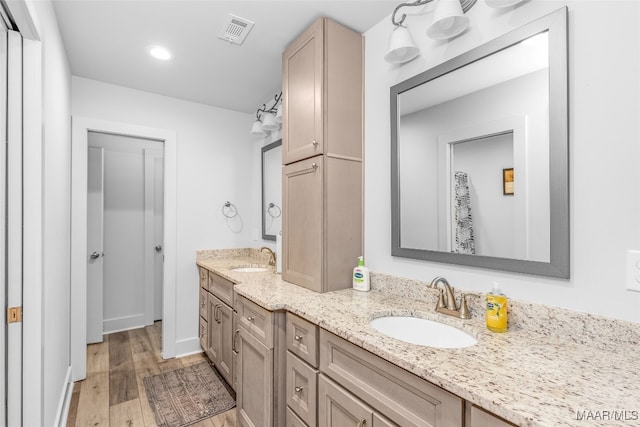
point(278, 117)
point(449, 20)
point(266, 118)
point(160, 52)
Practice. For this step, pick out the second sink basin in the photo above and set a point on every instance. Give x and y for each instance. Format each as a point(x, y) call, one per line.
point(249, 269)
point(425, 332)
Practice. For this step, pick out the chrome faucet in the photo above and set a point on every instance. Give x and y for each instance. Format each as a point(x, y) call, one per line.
point(447, 300)
point(272, 255)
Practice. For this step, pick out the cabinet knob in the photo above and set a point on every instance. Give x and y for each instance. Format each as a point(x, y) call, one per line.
point(298, 338)
point(251, 318)
point(315, 143)
point(298, 390)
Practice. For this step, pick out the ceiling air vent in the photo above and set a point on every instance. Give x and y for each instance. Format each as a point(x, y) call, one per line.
point(235, 29)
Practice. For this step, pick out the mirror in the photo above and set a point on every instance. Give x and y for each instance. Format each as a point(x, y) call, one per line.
point(271, 190)
point(479, 156)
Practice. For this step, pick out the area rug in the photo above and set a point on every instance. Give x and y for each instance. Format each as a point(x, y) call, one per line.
point(187, 395)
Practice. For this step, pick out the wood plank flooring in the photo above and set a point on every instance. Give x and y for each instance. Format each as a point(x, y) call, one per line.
point(113, 393)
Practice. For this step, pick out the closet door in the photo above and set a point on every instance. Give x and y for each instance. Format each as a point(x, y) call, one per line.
point(302, 86)
point(303, 223)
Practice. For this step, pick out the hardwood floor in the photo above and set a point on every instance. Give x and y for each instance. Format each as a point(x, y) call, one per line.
point(113, 393)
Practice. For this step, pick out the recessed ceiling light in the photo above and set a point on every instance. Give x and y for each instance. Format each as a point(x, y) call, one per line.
point(160, 52)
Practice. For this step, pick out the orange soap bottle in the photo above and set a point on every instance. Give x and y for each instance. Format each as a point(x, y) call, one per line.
point(496, 314)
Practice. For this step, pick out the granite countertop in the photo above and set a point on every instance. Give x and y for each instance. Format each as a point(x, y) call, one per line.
point(528, 378)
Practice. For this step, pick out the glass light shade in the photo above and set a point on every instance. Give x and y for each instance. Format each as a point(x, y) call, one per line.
point(279, 114)
point(448, 20)
point(499, 4)
point(401, 46)
point(256, 129)
point(269, 123)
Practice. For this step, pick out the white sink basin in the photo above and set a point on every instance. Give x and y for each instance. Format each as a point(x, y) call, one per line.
point(422, 332)
point(249, 269)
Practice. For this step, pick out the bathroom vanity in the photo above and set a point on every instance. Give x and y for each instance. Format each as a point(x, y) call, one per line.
point(312, 359)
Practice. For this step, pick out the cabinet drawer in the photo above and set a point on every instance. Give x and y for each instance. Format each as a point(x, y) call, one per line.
point(221, 287)
point(204, 277)
point(302, 339)
point(302, 383)
point(397, 394)
point(293, 420)
point(255, 320)
point(203, 303)
point(203, 334)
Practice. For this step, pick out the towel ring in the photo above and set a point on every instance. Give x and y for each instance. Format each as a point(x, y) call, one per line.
point(272, 209)
point(229, 210)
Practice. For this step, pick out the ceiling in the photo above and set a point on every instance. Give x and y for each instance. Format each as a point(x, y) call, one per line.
point(107, 40)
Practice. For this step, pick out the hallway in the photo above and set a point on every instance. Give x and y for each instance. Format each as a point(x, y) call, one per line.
point(113, 393)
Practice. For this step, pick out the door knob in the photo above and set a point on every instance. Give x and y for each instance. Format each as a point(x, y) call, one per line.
point(95, 255)
point(158, 248)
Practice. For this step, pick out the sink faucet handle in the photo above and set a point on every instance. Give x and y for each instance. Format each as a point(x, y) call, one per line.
point(441, 303)
point(464, 309)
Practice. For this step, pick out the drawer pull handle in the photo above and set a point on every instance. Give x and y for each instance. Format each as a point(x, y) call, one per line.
point(298, 338)
point(362, 423)
point(298, 390)
point(215, 313)
point(233, 341)
point(251, 318)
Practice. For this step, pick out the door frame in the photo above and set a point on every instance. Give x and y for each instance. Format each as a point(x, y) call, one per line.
point(81, 126)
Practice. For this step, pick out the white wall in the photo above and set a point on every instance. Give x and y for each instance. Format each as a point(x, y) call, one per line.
point(213, 166)
point(56, 84)
point(604, 130)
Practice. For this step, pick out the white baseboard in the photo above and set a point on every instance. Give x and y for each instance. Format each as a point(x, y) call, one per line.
point(188, 347)
point(119, 324)
point(65, 400)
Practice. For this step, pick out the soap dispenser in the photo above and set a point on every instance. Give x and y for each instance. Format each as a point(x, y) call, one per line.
point(361, 277)
point(496, 314)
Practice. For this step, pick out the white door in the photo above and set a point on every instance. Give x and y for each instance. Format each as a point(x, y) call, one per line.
point(153, 219)
point(3, 197)
point(158, 209)
point(95, 238)
point(14, 260)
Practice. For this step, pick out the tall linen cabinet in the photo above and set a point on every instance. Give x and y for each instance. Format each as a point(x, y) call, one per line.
point(322, 140)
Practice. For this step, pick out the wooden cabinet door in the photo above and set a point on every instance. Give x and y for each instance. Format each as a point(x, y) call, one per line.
point(338, 408)
point(224, 362)
point(302, 91)
point(478, 417)
point(213, 333)
point(254, 393)
point(203, 334)
point(303, 223)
